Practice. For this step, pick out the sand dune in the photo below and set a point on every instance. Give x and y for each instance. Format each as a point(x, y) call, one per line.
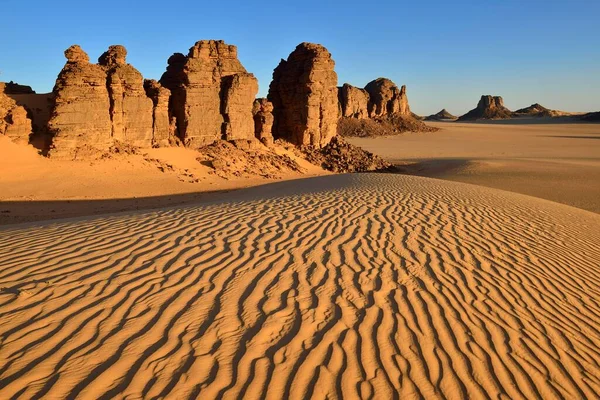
point(371, 286)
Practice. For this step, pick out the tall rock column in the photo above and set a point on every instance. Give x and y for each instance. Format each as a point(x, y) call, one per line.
point(207, 101)
point(304, 96)
point(80, 116)
point(161, 128)
point(130, 108)
point(263, 121)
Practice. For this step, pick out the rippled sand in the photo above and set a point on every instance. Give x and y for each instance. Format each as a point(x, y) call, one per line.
point(342, 286)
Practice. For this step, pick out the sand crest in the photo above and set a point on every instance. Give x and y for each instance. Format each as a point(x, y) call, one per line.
point(372, 285)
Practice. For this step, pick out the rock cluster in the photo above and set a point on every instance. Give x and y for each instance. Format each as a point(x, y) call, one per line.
point(386, 98)
point(340, 156)
point(212, 94)
point(96, 105)
point(304, 96)
point(14, 121)
point(262, 111)
point(489, 107)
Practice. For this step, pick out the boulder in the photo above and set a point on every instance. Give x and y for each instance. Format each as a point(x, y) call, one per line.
point(489, 107)
point(14, 122)
point(304, 96)
point(263, 121)
point(81, 113)
point(161, 126)
point(386, 98)
point(131, 110)
point(208, 103)
point(354, 102)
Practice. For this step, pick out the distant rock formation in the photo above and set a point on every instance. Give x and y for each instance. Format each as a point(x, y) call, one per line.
point(591, 117)
point(262, 111)
point(304, 96)
point(81, 113)
point(489, 107)
point(386, 98)
point(536, 110)
point(131, 109)
point(441, 116)
point(14, 122)
point(354, 102)
point(14, 88)
point(212, 94)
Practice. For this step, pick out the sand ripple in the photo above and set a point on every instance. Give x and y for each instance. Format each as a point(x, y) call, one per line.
point(370, 286)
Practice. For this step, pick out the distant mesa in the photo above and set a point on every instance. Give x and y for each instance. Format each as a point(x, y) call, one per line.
point(443, 115)
point(489, 107)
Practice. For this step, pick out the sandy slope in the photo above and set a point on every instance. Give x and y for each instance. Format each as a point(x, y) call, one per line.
point(558, 162)
point(354, 285)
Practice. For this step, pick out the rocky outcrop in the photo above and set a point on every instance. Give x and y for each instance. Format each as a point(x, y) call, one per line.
point(386, 98)
point(263, 121)
point(354, 102)
point(161, 123)
point(536, 110)
point(441, 116)
point(14, 88)
point(212, 94)
point(489, 107)
point(81, 113)
point(14, 122)
point(131, 109)
point(304, 96)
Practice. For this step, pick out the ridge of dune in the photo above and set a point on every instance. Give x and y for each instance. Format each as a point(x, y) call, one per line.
point(370, 285)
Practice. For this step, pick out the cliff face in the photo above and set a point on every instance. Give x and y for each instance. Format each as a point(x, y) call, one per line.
point(386, 98)
point(354, 102)
point(304, 96)
point(212, 94)
point(14, 121)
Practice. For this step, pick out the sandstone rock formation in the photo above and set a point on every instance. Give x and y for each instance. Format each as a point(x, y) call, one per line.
point(81, 113)
point(263, 121)
point(489, 107)
point(304, 96)
point(354, 102)
point(441, 116)
point(161, 126)
point(131, 109)
point(14, 121)
point(14, 88)
point(536, 110)
point(386, 98)
point(212, 94)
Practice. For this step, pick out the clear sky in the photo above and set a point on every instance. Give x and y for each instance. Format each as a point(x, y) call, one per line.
point(448, 53)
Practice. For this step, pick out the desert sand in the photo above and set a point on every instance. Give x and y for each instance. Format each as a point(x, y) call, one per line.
point(554, 161)
point(364, 285)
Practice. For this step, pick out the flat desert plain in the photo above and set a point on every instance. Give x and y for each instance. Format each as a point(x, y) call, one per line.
point(343, 286)
point(554, 161)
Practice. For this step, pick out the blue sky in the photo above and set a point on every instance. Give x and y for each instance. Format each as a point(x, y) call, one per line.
point(448, 53)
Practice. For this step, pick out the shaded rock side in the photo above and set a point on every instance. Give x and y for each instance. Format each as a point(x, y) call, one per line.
point(161, 124)
point(536, 110)
point(354, 102)
point(304, 96)
point(14, 122)
point(386, 98)
point(239, 91)
point(262, 111)
point(14, 88)
point(131, 109)
point(489, 107)
point(81, 112)
point(198, 90)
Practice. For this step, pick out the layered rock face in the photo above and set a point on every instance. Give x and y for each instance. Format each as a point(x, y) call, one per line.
point(212, 94)
point(489, 107)
point(354, 102)
point(14, 121)
point(81, 113)
point(386, 98)
point(304, 96)
point(263, 121)
point(131, 110)
point(96, 105)
point(161, 125)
